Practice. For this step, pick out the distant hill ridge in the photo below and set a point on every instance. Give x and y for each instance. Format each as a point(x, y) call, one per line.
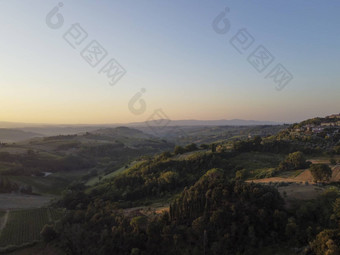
point(232, 122)
point(15, 135)
point(122, 131)
point(16, 131)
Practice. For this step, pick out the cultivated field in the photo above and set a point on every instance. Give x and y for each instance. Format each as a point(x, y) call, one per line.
point(24, 226)
point(300, 191)
point(16, 201)
point(38, 249)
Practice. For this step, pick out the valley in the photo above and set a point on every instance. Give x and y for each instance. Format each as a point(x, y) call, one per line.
point(122, 181)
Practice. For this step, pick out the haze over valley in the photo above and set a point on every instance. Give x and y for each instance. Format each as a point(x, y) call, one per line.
point(169, 127)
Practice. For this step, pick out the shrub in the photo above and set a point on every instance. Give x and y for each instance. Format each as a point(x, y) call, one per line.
point(48, 233)
point(179, 150)
point(294, 161)
point(321, 172)
point(332, 161)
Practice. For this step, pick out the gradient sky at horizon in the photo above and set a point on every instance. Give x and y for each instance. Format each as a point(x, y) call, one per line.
point(170, 49)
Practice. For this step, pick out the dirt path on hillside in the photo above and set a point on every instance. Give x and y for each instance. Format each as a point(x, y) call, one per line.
point(305, 176)
point(152, 210)
point(336, 174)
point(3, 221)
point(275, 179)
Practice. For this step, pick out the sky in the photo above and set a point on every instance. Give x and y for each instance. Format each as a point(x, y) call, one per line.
point(171, 55)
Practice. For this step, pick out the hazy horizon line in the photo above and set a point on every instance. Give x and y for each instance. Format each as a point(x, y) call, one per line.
point(139, 122)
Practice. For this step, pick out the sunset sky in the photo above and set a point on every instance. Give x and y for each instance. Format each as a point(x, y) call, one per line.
point(171, 49)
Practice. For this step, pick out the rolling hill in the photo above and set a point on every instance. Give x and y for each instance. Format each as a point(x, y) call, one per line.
point(15, 135)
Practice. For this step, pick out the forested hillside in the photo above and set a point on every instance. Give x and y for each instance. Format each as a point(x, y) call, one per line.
point(192, 199)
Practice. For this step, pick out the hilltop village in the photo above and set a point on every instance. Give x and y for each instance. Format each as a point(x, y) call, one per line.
point(324, 127)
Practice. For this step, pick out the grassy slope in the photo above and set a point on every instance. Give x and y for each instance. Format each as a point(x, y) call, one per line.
point(96, 179)
point(257, 160)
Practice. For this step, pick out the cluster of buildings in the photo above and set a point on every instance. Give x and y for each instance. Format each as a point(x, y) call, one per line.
point(333, 116)
point(332, 121)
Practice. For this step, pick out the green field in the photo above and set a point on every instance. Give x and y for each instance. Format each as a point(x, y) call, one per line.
point(4, 166)
point(24, 226)
point(95, 179)
point(257, 160)
point(42, 185)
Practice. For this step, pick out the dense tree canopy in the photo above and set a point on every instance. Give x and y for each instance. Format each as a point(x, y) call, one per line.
point(321, 172)
point(213, 215)
point(294, 161)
